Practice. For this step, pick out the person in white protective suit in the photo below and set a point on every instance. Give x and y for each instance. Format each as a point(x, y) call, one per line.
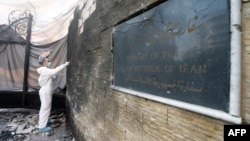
point(46, 90)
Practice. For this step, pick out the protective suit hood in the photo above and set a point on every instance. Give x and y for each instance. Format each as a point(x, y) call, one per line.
point(39, 70)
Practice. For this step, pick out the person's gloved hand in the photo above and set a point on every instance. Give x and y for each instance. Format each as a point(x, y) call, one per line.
point(67, 63)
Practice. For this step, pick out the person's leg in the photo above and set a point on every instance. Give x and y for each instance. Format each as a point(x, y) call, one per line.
point(45, 108)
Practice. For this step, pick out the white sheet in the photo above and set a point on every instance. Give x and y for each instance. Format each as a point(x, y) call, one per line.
point(51, 19)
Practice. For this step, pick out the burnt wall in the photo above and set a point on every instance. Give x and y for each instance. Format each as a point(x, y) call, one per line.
point(97, 112)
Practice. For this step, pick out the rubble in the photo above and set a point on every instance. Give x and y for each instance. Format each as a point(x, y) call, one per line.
point(22, 125)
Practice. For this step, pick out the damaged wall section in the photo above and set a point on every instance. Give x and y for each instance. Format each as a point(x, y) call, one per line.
point(98, 112)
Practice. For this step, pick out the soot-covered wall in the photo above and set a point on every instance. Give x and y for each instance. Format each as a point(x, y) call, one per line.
point(97, 112)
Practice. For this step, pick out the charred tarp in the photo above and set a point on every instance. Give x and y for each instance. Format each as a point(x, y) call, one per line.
point(17, 34)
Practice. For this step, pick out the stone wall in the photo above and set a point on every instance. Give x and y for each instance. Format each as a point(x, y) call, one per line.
point(246, 61)
point(99, 113)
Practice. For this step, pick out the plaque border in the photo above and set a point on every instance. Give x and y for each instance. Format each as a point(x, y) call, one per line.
point(233, 115)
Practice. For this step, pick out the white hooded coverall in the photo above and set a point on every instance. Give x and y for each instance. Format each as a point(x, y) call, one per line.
point(46, 91)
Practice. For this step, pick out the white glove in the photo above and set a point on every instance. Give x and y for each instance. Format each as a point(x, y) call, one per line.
point(67, 63)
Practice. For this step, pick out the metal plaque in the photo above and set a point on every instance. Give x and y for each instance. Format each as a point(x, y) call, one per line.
point(179, 50)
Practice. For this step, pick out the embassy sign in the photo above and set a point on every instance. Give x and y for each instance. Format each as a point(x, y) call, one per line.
point(178, 50)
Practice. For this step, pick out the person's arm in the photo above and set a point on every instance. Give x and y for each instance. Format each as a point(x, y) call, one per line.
point(51, 72)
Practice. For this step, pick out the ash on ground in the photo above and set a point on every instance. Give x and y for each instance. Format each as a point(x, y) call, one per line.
point(17, 124)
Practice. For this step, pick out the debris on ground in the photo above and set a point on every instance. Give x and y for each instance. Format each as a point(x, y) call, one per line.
point(22, 125)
